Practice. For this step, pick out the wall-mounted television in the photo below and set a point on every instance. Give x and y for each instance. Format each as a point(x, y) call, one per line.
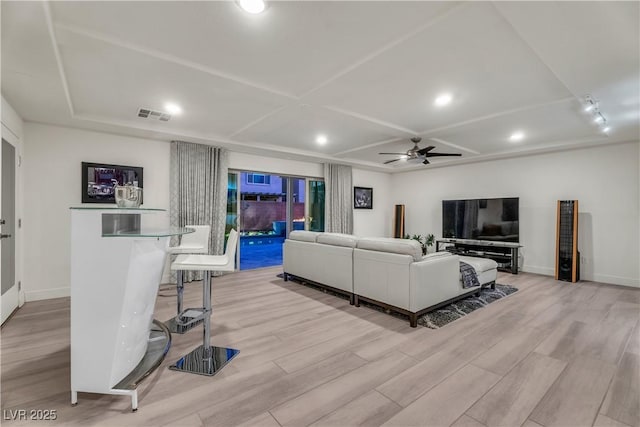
point(99, 179)
point(482, 219)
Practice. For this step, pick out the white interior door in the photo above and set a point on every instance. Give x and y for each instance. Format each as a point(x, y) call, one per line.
point(9, 297)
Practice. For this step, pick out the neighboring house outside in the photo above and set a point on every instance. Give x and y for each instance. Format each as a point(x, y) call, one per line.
point(263, 202)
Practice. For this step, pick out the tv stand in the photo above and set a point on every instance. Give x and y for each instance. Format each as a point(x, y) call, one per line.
point(504, 253)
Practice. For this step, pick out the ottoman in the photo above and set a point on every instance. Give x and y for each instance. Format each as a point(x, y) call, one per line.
point(486, 268)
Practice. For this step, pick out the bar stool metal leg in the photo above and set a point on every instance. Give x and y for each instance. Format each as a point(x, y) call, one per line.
point(205, 359)
point(206, 330)
point(180, 289)
point(176, 324)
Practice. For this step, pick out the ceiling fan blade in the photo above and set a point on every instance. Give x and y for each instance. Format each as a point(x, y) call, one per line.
point(426, 149)
point(426, 162)
point(442, 154)
point(391, 161)
point(395, 154)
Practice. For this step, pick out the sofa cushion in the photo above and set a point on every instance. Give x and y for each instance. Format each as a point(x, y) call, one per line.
point(480, 264)
point(397, 246)
point(337, 239)
point(304, 236)
point(436, 255)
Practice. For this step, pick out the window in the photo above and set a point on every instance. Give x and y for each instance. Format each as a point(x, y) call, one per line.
point(258, 178)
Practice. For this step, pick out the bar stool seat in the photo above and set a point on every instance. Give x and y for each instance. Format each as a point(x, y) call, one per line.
point(207, 359)
point(189, 248)
point(193, 243)
point(203, 263)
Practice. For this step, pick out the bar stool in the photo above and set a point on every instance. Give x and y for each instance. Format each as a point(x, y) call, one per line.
point(192, 243)
point(207, 359)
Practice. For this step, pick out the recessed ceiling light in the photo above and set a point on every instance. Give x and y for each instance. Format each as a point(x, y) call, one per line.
point(321, 139)
point(443, 100)
point(516, 136)
point(598, 118)
point(172, 108)
point(606, 129)
point(252, 6)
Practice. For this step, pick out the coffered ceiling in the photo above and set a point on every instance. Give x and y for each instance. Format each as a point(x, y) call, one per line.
point(364, 74)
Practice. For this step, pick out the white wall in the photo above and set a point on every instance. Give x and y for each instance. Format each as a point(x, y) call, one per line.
point(379, 220)
point(249, 162)
point(52, 169)
point(605, 180)
point(13, 132)
point(11, 121)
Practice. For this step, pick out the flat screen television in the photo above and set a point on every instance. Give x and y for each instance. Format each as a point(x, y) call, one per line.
point(482, 219)
point(99, 179)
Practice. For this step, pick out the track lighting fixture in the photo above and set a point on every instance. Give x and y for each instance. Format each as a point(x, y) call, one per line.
point(592, 106)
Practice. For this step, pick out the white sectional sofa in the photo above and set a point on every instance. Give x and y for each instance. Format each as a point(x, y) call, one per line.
point(392, 273)
point(326, 259)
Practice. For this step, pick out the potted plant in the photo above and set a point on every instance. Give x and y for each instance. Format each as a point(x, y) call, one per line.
point(425, 241)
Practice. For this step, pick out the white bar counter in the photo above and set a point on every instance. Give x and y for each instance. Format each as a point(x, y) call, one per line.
point(117, 260)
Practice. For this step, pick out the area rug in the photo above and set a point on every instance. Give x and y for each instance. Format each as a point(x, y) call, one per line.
point(438, 318)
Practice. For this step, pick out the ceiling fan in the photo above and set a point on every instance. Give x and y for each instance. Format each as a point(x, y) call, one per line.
point(419, 153)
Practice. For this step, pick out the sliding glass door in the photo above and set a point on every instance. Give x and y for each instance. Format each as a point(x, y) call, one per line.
point(315, 213)
point(296, 197)
point(232, 205)
point(266, 207)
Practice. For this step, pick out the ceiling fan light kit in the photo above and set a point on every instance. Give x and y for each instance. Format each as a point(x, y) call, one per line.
point(417, 153)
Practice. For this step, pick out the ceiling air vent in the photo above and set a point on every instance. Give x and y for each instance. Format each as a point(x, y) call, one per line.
point(147, 113)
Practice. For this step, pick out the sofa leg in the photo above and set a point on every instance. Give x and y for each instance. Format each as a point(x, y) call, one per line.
point(285, 276)
point(352, 300)
point(356, 302)
point(493, 284)
point(413, 320)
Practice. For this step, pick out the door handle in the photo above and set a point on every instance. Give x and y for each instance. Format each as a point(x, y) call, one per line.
point(5, 236)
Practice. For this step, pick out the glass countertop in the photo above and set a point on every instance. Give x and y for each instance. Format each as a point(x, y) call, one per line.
point(113, 208)
point(152, 232)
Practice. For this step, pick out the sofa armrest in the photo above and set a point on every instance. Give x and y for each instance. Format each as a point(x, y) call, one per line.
point(434, 280)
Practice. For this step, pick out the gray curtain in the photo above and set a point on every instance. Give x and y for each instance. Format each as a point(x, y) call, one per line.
point(338, 199)
point(199, 191)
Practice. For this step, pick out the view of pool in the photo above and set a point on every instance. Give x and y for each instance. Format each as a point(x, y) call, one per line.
point(260, 251)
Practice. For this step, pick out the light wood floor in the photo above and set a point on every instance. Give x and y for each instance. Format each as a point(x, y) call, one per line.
point(552, 354)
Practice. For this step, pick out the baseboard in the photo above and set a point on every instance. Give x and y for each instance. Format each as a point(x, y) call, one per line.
point(47, 294)
point(615, 280)
point(545, 271)
point(602, 278)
